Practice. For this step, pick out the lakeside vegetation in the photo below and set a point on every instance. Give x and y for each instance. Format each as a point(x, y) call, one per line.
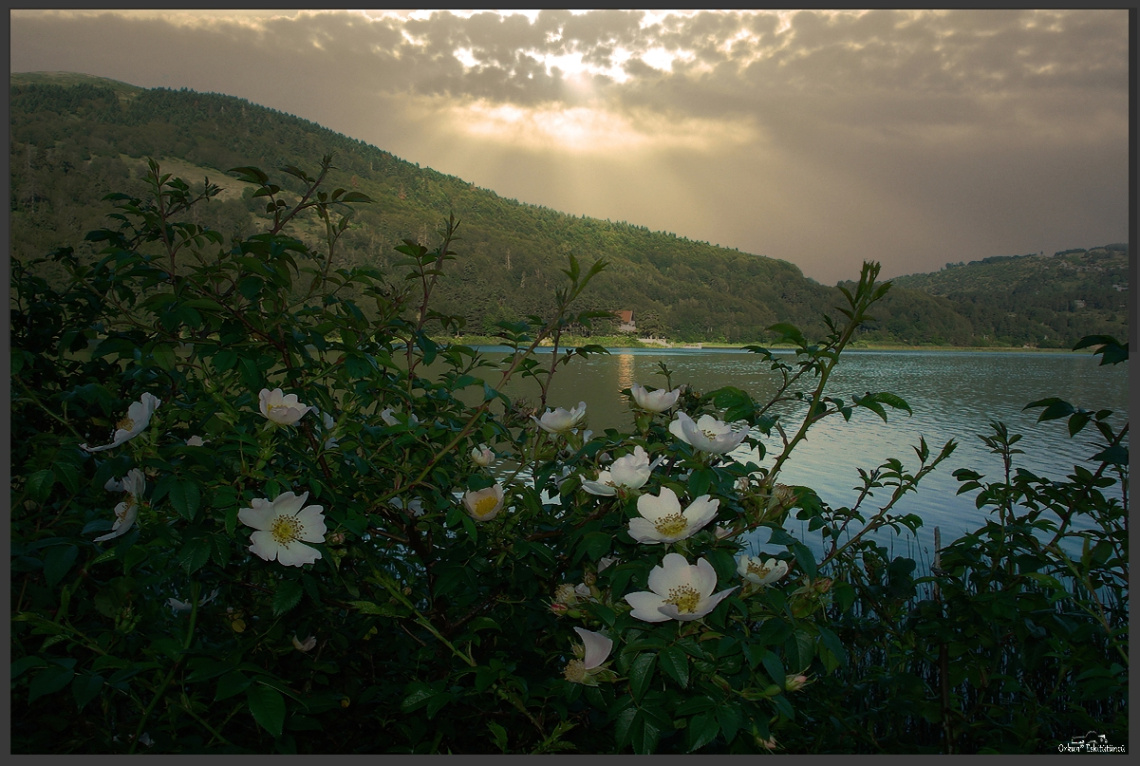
point(75, 138)
point(318, 548)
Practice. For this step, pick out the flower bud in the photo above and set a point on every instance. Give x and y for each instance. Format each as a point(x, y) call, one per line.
point(565, 594)
point(795, 682)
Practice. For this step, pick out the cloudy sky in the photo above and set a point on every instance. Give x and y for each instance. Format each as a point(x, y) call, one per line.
point(912, 137)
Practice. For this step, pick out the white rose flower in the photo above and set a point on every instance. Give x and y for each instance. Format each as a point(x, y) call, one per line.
point(756, 570)
point(654, 401)
point(136, 421)
point(663, 521)
point(283, 527)
point(561, 420)
point(627, 472)
point(134, 484)
point(482, 456)
point(280, 408)
point(484, 504)
point(677, 591)
point(707, 434)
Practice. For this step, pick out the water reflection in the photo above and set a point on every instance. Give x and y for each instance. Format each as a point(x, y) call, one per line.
point(953, 396)
point(625, 370)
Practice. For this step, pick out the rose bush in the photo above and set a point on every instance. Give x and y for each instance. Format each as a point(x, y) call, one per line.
point(437, 544)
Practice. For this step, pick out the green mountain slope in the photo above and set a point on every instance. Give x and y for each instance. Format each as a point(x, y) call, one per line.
point(1036, 299)
point(75, 138)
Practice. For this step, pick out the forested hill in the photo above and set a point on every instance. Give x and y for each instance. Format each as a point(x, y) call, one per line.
point(75, 138)
point(1038, 295)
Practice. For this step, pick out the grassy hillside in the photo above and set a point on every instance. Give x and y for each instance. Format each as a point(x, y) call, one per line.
point(76, 138)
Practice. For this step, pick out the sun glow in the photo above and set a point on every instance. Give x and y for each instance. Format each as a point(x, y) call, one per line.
point(592, 129)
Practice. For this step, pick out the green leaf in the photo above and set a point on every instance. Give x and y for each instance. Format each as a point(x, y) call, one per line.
point(700, 481)
point(773, 667)
point(640, 673)
point(623, 725)
point(596, 545)
point(789, 332)
point(1116, 455)
point(67, 475)
point(225, 360)
point(50, 680)
point(1110, 349)
point(418, 695)
point(675, 663)
point(84, 688)
point(844, 595)
point(194, 554)
point(287, 596)
point(185, 497)
point(730, 720)
point(26, 663)
point(57, 561)
point(232, 683)
point(1078, 421)
point(645, 733)
point(267, 706)
point(164, 356)
point(500, 735)
point(703, 729)
point(39, 484)
point(1054, 408)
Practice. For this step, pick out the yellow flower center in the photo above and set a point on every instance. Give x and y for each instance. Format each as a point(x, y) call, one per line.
point(759, 570)
point(485, 505)
point(685, 598)
point(286, 529)
point(671, 525)
point(575, 672)
point(710, 435)
point(126, 424)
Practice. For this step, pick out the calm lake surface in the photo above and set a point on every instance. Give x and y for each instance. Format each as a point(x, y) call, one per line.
point(954, 395)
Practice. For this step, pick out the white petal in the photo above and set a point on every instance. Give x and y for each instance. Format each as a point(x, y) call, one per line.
point(677, 427)
point(646, 606)
point(135, 482)
point(289, 503)
point(631, 471)
point(263, 545)
point(643, 531)
point(703, 577)
point(673, 572)
point(701, 512)
point(597, 647)
point(313, 524)
point(715, 599)
point(599, 487)
point(655, 507)
point(297, 554)
point(711, 425)
point(259, 515)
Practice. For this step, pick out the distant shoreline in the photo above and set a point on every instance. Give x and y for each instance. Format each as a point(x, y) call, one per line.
point(619, 342)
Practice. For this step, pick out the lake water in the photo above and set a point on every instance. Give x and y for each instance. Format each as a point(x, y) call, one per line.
point(954, 395)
